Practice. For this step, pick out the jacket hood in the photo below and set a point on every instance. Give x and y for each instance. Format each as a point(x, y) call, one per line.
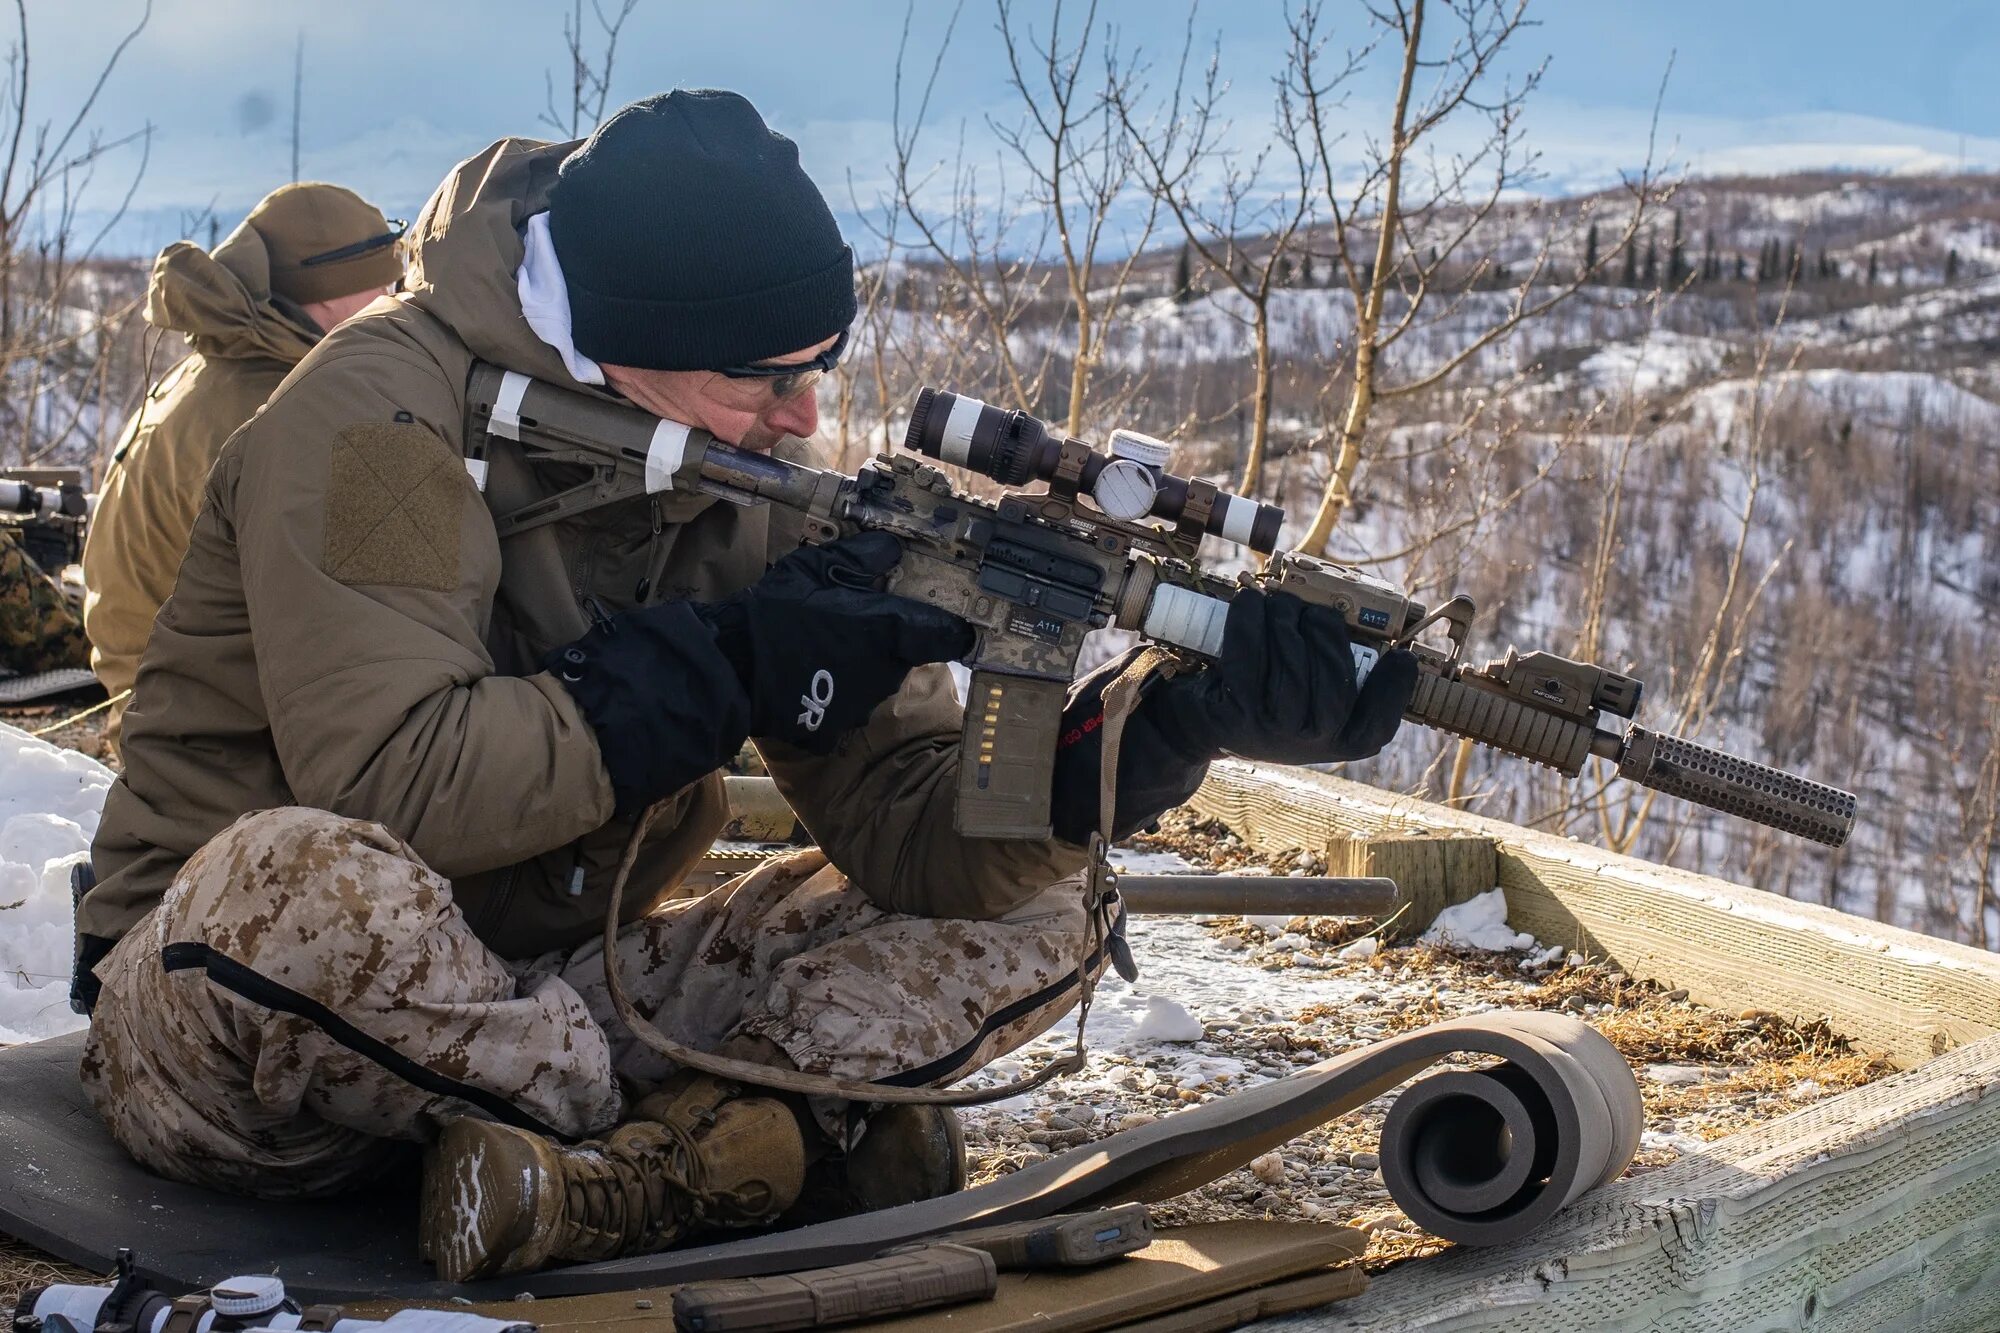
point(466, 248)
point(222, 302)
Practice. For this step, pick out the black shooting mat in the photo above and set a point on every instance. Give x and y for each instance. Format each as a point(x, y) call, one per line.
point(68, 1188)
point(45, 685)
point(1567, 1096)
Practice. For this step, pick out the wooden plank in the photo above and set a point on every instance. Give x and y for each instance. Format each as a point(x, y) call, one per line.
point(1432, 872)
point(1896, 993)
point(1877, 1209)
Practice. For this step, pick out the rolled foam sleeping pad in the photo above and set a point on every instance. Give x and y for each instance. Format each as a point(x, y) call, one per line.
point(1476, 1156)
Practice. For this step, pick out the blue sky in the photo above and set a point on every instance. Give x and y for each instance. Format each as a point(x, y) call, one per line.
point(397, 90)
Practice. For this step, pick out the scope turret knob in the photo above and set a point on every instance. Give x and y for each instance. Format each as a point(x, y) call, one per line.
point(248, 1296)
point(1144, 450)
point(1125, 489)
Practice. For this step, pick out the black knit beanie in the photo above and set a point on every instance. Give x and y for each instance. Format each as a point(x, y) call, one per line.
point(690, 239)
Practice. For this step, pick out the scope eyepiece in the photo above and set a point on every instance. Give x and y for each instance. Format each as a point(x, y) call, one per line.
point(958, 429)
point(1013, 448)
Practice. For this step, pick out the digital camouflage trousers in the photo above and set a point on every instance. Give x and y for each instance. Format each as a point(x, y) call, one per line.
point(307, 995)
point(39, 629)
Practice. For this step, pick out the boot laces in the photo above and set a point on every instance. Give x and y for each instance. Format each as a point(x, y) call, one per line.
point(641, 1191)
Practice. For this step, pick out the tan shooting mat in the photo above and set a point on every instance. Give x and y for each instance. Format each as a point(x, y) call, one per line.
point(1187, 1269)
point(1244, 1307)
point(1566, 1100)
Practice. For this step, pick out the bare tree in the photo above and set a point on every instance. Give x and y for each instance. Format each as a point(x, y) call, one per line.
point(1415, 225)
point(1720, 636)
point(589, 70)
point(1000, 240)
point(1979, 809)
point(1240, 214)
point(61, 313)
point(1077, 157)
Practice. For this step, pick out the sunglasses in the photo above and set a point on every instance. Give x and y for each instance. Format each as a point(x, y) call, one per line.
point(792, 378)
point(395, 233)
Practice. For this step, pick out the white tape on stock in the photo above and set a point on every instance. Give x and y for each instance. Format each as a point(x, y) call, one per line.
point(506, 418)
point(665, 455)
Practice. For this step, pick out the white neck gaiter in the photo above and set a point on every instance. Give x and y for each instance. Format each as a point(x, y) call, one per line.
point(545, 300)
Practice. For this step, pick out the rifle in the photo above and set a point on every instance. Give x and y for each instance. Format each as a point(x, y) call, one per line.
point(1112, 541)
point(47, 508)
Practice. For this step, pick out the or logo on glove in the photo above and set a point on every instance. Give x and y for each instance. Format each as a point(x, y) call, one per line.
point(815, 703)
point(818, 616)
point(672, 690)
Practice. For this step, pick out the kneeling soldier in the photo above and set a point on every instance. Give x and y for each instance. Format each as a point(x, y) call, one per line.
point(381, 765)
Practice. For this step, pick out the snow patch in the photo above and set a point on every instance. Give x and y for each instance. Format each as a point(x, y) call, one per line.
point(1479, 924)
point(1165, 1020)
point(49, 803)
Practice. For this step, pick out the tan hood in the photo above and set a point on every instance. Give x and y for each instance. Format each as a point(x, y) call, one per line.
point(222, 302)
point(466, 248)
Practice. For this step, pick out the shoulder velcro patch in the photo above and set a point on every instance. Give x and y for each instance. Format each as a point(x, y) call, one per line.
point(393, 506)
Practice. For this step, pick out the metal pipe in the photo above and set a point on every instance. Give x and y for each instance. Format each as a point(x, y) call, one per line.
point(1259, 895)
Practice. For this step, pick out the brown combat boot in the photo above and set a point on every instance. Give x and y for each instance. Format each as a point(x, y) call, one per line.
point(498, 1200)
point(908, 1153)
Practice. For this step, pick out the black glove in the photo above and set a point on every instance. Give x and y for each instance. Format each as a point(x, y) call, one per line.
point(818, 645)
point(1154, 775)
point(803, 655)
point(1283, 690)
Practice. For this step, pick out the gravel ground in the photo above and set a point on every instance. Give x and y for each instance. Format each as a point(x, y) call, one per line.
point(1271, 997)
point(85, 733)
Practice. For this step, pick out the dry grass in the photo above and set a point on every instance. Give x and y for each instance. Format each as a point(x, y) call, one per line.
point(23, 1266)
point(86, 736)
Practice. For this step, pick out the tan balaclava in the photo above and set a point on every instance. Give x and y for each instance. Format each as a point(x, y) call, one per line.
point(325, 242)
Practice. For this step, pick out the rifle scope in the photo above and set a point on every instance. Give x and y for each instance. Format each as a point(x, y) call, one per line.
point(25, 497)
point(1129, 483)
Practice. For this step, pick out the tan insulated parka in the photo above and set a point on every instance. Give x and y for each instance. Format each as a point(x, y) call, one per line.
point(244, 343)
point(348, 633)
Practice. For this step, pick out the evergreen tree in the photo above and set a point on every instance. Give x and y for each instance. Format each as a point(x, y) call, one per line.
point(1793, 271)
point(1631, 275)
point(1676, 255)
point(1183, 278)
point(1711, 267)
point(1740, 266)
point(1871, 268)
point(1306, 269)
point(1590, 251)
point(1651, 276)
point(1281, 272)
point(1951, 267)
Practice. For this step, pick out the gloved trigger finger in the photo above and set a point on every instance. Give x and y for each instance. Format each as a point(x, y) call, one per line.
point(1379, 708)
point(927, 634)
point(869, 554)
